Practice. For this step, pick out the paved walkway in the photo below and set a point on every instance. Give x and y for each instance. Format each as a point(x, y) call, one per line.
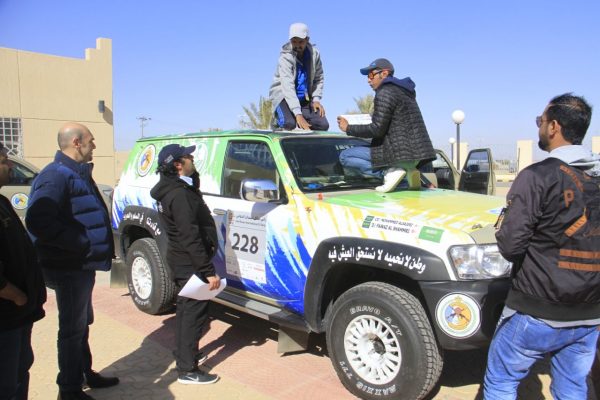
point(242, 350)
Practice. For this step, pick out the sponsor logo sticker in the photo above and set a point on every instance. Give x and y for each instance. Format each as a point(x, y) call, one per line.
point(19, 201)
point(145, 160)
point(458, 315)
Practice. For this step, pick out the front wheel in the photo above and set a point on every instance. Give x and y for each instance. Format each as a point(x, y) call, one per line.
point(150, 286)
point(381, 343)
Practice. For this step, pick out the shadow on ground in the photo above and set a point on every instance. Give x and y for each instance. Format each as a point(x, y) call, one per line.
point(463, 368)
point(145, 373)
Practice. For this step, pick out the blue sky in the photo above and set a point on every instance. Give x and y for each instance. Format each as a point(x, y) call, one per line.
point(192, 65)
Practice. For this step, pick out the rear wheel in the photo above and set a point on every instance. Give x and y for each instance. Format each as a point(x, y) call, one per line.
point(150, 286)
point(381, 343)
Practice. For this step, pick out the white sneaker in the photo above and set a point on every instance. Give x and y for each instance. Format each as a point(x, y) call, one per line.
point(391, 179)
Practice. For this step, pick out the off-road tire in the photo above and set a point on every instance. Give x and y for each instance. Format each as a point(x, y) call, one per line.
point(378, 325)
point(150, 285)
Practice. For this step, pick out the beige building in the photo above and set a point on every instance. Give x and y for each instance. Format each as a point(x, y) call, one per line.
point(40, 92)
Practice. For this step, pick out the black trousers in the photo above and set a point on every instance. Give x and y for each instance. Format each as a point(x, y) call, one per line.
point(287, 120)
point(190, 317)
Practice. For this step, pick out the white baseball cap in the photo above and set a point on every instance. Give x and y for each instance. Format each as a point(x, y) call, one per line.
point(299, 30)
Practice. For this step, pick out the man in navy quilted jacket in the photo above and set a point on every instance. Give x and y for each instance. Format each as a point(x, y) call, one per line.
point(70, 227)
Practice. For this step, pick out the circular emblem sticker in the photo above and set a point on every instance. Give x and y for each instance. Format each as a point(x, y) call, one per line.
point(458, 315)
point(145, 160)
point(200, 155)
point(19, 201)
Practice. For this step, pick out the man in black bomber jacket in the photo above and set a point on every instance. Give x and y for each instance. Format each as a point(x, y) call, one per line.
point(550, 230)
point(192, 242)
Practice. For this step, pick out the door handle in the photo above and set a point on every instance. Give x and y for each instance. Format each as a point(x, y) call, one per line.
point(219, 211)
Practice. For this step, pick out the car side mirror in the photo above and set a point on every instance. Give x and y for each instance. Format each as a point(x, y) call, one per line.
point(259, 190)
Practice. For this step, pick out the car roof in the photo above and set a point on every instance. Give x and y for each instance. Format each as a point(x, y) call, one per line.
point(243, 132)
point(24, 162)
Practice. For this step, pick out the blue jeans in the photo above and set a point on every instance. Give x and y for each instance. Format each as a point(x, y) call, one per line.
point(359, 158)
point(521, 340)
point(16, 357)
point(75, 313)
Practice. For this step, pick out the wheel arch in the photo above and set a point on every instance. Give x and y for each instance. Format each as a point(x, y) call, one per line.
point(141, 222)
point(330, 275)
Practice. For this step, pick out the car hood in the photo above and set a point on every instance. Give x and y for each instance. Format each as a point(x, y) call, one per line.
point(448, 209)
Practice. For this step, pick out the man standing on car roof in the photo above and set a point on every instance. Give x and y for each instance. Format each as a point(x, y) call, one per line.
point(550, 230)
point(400, 142)
point(70, 227)
point(297, 86)
point(22, 295)
point(192, 243)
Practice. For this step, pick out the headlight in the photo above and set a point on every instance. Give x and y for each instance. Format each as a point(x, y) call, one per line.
point(479, 261)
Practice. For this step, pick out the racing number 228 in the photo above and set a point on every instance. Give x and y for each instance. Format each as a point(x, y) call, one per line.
point(245, 243)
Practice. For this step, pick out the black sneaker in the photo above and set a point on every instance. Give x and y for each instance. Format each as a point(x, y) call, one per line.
point(96, 381)
point(79, 395)
point(197, 378)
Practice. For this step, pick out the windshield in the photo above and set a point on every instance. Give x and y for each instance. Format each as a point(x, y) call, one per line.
point(315, 163)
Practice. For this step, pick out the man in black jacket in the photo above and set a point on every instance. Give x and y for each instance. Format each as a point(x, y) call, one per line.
point(22, 294)
point(400, 142)
point(192, 243)
point(550, 230)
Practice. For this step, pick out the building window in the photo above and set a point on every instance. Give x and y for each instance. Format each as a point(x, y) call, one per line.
point(10, 135)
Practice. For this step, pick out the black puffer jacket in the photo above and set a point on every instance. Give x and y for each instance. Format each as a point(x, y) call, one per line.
point(189, 225)
point(397, 127)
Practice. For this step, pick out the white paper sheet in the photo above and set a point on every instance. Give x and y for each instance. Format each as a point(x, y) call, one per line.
point(195, 288)
point(357, 119)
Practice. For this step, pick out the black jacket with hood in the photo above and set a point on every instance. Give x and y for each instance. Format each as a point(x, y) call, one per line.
point(19, 266)
point(191, 230)
point(397, 127)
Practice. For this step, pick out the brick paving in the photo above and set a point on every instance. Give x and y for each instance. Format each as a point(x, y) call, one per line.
point(242, 350)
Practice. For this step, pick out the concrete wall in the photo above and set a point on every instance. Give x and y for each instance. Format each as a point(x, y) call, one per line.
point(46, 91)
point(524, 154)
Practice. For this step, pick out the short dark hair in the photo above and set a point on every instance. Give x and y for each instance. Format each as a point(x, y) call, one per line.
point(168, 169)
point(573, 114)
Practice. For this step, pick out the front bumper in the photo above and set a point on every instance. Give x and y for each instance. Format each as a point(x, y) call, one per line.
point(464, 313)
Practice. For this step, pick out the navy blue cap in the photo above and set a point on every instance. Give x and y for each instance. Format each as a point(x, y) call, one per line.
point(173, 152)
point(380, 63)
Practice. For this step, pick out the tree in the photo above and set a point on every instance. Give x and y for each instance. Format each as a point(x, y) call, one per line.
point(258, 117)
point(365, 105)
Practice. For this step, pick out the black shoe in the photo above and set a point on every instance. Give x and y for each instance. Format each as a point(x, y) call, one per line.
point(80, 395)
point(197, 378)
point(96, 381)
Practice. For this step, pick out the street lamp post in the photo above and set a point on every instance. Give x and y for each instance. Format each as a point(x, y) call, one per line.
point(452, 141)
point(458, 116)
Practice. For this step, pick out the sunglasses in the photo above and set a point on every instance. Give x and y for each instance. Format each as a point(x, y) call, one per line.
point(539, 120)
point(373, 73)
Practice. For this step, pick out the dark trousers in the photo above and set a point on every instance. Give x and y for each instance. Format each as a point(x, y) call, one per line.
point(16, 357)
point(190, 317)
point(287, 120)
point(73, 291)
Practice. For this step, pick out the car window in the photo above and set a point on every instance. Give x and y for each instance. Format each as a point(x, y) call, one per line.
point(247, 160)
point(477, 162)
point(315, 163)
point(21, 175)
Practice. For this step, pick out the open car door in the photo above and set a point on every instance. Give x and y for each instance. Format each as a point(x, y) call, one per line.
point(477, 175)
